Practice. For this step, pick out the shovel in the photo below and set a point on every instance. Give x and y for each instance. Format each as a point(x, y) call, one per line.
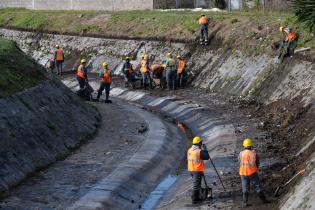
point(279, 188)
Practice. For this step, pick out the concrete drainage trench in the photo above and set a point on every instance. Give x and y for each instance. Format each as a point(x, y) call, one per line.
point(219, 137)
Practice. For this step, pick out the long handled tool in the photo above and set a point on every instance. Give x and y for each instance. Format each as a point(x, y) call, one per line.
point(277, 192)
point(217, 174)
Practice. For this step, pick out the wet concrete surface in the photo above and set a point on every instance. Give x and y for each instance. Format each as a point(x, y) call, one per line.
point(62, 183)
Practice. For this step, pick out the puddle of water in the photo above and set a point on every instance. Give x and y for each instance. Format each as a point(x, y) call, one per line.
point(158, 192)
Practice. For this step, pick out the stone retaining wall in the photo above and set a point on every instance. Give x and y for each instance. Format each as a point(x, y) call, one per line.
point(38, 127)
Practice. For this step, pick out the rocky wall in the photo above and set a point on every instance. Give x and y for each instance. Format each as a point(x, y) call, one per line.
point(39, 126)
point(260, 77)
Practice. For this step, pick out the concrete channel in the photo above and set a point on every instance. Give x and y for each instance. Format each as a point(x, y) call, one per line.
point(219, 137)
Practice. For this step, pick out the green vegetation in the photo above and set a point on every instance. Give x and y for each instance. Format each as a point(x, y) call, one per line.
point(18, 71)
point(249, 31)
point(305, 12)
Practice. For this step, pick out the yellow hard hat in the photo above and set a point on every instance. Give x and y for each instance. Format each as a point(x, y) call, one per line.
point(179, 56)
point(127, 58)
point(83, 61)
point(169, 55)
point(105, 64)
point(146, 56)
point(247, 143)
point(196, 140)
point(281, 29)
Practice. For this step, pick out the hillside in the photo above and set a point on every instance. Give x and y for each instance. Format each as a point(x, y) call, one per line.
point(18, 71)
point(252, 31)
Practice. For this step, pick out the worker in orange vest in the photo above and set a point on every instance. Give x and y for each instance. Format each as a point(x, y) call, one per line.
point(82, 74)
point(203, 22)
point(290, 37)
point(145, 71)
point(249, 164)
point(128, 72)
point(59, 59)
point(196, 166)
point(181, 65)
point(106, 76)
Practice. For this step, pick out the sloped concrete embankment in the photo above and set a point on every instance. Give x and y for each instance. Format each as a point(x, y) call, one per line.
point(129, 184)
point(249, 77)
point(39, 126)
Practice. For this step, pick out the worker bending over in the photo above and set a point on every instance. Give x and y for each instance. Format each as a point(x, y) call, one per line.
point(181, 65)
point(203, 22)
point(106, 80)
point(59, 59)
point(196, 166)
point(249, 164)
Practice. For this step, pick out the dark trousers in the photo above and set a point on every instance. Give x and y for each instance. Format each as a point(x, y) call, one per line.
point(197, 178)
point(246, 183)
point(204, 33)
point(81, 82)
point(106, 86)
point(180, 79)
point(171, 79)
point(146, 78)
point(59, 66)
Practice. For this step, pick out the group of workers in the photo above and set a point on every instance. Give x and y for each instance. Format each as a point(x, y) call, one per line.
point(171, 72)
point(248, 170)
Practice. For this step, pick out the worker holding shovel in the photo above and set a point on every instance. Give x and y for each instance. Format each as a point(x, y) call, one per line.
point(249, 164)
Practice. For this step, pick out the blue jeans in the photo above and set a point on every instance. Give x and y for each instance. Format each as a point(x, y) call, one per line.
point(246, 183)
point(146, 78)
point(171, 79)
point(204, 32)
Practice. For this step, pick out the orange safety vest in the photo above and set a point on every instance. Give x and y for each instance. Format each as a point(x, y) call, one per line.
point(144, 67)
point(247, 162)
point(181, 66)
point(194, 161)
point(203, 21)
point(106, 76)
point(80, 72)
point(59, 55)
point(292, 36)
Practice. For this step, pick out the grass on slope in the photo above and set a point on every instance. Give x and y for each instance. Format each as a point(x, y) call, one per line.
point(252, 31)
point(17, 70)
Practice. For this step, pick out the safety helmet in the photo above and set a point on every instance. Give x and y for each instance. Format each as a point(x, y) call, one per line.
point(127, 58)
point(247, 143)
point(169, 55)
point(179, 56)
point(281, 29)
point(83, 61)
point(196, 140)
point(105, 64)
point(57, 46)
point(146, 56)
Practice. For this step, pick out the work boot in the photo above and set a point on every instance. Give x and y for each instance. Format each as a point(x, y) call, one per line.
point(245, 200)
point(195, 197)
point(262, 197)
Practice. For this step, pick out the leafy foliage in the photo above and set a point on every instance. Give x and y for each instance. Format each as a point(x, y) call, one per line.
point(305, 12)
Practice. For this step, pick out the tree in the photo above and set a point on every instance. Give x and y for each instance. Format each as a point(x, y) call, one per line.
point(305, 12)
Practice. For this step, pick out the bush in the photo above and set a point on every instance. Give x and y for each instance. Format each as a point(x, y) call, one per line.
point(305, 12)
